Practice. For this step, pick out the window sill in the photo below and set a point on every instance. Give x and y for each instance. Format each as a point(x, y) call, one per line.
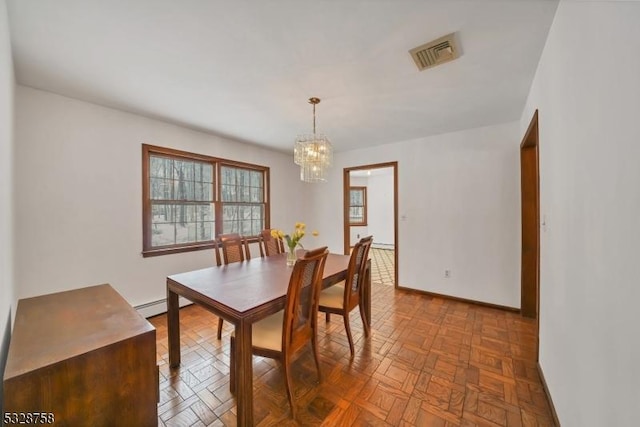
point(174, 250)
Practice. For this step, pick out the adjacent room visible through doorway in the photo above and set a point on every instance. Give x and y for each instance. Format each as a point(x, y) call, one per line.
point(371, 209)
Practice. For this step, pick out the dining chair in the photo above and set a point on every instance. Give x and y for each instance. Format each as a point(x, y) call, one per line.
point(283, 334)
point(234, 249)
point(344, 296)
point(216, 253)
point(269, 245)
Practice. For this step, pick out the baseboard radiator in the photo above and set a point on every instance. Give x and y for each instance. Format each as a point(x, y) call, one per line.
point(154, 308)
point(379, 245)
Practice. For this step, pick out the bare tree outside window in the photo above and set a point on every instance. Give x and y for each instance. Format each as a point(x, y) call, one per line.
point(182, 200)
point(242, 201)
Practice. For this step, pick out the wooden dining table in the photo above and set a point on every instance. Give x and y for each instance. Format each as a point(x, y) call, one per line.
point(243, 293)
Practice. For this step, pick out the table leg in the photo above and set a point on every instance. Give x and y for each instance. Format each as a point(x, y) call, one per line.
point(244, 374)
point(173, 328)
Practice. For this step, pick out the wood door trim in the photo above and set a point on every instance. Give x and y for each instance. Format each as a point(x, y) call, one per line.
point(346, 227)
point(530, 223)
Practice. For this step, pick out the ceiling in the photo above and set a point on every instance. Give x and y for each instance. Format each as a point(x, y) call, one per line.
point(244, 69)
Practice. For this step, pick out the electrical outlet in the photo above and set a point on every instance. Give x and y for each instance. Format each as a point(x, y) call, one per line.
point(358, 236)
point(447, 274)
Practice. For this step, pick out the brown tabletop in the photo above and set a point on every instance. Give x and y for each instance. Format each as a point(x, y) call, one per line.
point(242, 293)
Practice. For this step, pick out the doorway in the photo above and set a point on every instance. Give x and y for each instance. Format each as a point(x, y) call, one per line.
point(371, 208)
point(530, 199)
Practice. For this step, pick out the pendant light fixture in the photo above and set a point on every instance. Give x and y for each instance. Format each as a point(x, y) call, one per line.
point(313, 153)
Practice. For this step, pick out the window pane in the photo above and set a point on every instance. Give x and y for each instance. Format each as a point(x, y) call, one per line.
point(160, 188)
point(180, 180)
point(160, 167)
point(204, 223)
point(228, 175)
point(256, 179)
point(245, 227)
point(228, 193)
point(356, 214)
point(257, 211)
point(257, 219)
point(174, 223)
point(203, 191)
point(230, 212)
point(256, 195)
point(244, 219)
point(162, 226)
point(230, 219)
point(357, 197)
point(179, 190)
point(207, 173)
point(179, 169)
point(246, 194)
point(242, 185)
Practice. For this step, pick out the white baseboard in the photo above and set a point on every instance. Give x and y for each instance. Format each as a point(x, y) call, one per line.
point(154, 308)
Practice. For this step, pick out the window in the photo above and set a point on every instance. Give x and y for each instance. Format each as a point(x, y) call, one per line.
point(358, 205)
point(181, 201)
point(242, 200)
point(189, 199)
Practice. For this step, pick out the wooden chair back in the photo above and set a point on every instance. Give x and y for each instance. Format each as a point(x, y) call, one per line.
point(234, 248)
point(356, 273)
point(271, 245)
point(216, 252)
point(301, 306)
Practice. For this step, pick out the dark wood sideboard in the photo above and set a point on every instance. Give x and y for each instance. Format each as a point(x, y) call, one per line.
point(84, 358)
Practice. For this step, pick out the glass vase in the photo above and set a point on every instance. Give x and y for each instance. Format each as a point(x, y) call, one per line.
point(291, 257)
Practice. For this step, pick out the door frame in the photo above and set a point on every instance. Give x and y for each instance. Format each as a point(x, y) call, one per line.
point(530, 216)
point(346, 227)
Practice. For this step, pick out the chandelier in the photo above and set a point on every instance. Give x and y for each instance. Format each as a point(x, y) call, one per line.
point(313, 153)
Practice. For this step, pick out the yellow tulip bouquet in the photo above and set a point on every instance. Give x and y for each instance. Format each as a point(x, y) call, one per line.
point(293, 239)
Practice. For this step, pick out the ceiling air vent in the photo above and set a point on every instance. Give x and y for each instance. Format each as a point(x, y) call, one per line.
point(435, 53)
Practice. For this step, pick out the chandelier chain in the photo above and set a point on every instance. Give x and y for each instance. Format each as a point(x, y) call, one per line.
point(314, 101)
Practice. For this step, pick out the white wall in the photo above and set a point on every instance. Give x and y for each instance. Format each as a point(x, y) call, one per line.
point(380, 207)
point(587, 90)
point(78, 186)
point(7, 284)
point(460, 196)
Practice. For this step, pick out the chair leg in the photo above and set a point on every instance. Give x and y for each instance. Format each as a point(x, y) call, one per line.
point(232, 366)
point(348, 329)
point(314, 345)
point(327, 317)
point(220, 321)
point(367, 330)
point(288, 385)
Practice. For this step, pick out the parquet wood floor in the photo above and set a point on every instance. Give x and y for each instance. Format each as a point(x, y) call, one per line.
point(428, 362)
point(382, 266)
